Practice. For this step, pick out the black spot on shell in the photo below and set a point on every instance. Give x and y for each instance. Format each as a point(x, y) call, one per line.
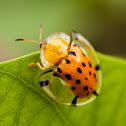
point(98, 67)
point(79, 70)
point(90, 64)
point(95, 93)
point(86, 88)
point(67, 61)
point(55, 74)
point(74, 101)
point(76, 45)
point(86, 78)
point(94, 75)
point(88, 93)
point(90, 73)
point(73, 88)
point(68, 76)
point(44, 83)
point(78, 81)
point(59, 70)
point(83, 64)
point(72, 53)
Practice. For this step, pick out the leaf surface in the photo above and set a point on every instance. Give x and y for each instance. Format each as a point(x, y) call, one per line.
point(24, 103)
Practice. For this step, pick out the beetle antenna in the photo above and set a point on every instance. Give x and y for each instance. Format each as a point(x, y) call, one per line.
point(40, 37)
point(27, 40)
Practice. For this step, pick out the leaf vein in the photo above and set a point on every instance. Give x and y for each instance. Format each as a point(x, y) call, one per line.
point(7, 113)
point(38, 110)
point(20, 106)
point(63, 117)
point(4, 95)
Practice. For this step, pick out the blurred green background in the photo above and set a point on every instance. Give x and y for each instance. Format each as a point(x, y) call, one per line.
point(102, 22)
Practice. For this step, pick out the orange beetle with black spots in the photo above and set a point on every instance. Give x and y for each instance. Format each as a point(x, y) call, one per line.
point(61, 56)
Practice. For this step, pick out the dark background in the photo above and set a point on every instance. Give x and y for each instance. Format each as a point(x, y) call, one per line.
point(103, 23)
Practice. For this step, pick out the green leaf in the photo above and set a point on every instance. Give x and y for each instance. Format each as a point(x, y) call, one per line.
point(24, 103)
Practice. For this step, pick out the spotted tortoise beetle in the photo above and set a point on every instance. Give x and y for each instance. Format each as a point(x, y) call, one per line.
point(73, 62)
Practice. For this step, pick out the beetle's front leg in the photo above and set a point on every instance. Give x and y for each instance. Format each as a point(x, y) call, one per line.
point(32, 65)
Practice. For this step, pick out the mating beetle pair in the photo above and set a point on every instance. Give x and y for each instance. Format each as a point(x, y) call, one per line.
point(72, 74)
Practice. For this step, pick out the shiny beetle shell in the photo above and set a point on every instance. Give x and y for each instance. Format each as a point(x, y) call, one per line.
point(76, 83)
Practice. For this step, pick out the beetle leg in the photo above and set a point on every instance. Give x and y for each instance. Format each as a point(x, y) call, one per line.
point(32, 65)
point(95, 93)
point(74, 101)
